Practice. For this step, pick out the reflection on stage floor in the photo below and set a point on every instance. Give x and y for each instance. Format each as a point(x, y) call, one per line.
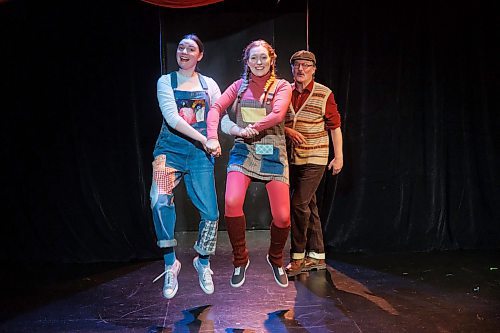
point(425, 292)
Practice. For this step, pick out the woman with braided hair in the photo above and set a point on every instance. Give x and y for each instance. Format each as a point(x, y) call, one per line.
point(258, 103)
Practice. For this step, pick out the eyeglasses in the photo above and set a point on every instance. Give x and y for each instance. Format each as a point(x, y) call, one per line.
point(255, 59)
point(305, 66)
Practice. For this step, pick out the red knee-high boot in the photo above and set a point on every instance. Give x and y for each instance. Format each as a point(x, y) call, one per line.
point(236, 227)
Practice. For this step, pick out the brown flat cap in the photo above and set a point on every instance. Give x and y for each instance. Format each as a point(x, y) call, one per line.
point(303, 55)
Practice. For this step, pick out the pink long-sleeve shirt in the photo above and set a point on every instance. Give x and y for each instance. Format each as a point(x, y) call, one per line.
point(280, 102)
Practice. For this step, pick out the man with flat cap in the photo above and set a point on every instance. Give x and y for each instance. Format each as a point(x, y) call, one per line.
point(311, 115)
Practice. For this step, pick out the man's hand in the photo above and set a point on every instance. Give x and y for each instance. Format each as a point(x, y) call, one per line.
point(296, 137)
point(336, 165)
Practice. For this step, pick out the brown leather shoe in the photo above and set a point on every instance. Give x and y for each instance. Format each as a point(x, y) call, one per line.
point(295, 267)
point(311, 264)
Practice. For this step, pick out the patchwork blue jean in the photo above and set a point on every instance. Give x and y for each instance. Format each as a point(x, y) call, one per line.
point(177, 158)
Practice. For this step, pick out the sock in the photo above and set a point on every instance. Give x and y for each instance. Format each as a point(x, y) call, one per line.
point(204, 260)
point(169, 256)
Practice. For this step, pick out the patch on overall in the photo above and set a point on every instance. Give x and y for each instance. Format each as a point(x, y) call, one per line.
point(163, 176)
point(252, 114)
point(261, 149)
point(191, 110)
point(207, 237)
point(271, 163)
point(239, 154)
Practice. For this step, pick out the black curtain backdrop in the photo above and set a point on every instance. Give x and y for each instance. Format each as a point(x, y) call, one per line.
point(82, 120)
point(415, 86)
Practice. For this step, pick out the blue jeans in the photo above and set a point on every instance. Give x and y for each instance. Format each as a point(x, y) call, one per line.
point(179, 158)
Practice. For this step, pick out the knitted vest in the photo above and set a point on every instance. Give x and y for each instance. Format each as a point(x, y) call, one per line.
point(309, 120)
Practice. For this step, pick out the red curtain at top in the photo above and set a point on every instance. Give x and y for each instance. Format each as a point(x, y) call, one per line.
point(182, 3)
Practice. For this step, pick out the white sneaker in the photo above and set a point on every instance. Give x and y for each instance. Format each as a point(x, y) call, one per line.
point(204, 276)
point(170, 285)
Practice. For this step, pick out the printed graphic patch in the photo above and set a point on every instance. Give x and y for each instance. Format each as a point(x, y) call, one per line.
point(191, 110)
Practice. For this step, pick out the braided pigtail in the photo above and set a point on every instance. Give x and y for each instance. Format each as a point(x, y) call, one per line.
point(271, 80)
point(246, 81)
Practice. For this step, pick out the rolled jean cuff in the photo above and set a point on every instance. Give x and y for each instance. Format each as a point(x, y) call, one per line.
point(298, 255)
point(316, 255)
point(167, 243)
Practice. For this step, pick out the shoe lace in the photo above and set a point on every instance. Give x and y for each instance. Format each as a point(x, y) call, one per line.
point(168, 278)
point(237, 270)
point(206, 273)
point(159, 276)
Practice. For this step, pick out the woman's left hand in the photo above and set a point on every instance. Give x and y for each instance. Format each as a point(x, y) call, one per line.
point(212, 146)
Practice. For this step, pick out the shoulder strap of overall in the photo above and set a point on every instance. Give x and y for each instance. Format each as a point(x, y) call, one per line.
point(270, 92)
point(231, 111)
point(173, 79)
point(204, 85)
point(203, 82)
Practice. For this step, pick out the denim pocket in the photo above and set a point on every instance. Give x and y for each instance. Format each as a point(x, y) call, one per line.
point(239, 154)
point(272, 164)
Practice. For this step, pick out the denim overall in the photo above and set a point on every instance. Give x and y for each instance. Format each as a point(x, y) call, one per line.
point(263, 156)
point(177, 156)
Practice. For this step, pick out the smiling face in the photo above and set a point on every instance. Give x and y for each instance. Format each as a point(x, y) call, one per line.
point(188, 54)
point(259, 61)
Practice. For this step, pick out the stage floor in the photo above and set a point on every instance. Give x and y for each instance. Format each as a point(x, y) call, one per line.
point(455, 291)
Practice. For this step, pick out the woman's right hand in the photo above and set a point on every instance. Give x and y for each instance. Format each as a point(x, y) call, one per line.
point(213, 147)
point(249, 132)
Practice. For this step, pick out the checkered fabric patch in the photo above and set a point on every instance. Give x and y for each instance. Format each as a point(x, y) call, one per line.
point(264, 149)
point(164, 176)
point(208, 237)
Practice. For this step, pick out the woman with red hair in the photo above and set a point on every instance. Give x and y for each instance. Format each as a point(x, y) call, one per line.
point(259, 102)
